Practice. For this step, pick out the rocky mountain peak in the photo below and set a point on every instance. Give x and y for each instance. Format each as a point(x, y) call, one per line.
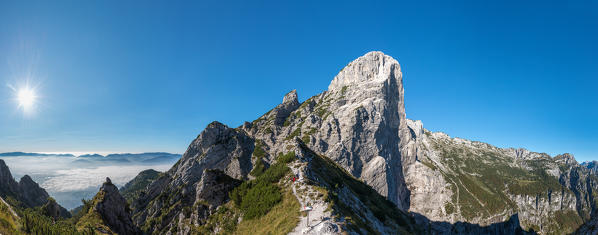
point(360, 124)
point(373, 67)
point(31, 193)
point(113, 209)
point(8, 185)
point(108, 187)
point(52, 209)
point(283, 110)
point(291, 98)
point(565, 158)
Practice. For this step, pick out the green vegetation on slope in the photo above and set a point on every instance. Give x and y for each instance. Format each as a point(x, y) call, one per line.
point(133, 188)
point(483, 179)
point(9, 223)
point(263, 205)
point(281, 219)
point(33, 221)
point(90, 220)
point(256, 197)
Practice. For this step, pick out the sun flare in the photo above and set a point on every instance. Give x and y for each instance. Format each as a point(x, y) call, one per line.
point(26, 98)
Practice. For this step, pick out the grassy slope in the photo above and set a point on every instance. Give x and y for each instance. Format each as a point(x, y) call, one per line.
point(281, 219)
point(9, 224)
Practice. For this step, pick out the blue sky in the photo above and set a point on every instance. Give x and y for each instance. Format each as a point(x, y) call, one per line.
point(149, 76)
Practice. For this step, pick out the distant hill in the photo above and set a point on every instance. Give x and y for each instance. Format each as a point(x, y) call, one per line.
point(21, 154)
point(139, 158)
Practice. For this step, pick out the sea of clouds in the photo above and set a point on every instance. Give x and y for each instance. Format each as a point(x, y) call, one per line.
point(69, 182)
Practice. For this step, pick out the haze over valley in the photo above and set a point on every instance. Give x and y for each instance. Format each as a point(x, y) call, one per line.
point(70, 178)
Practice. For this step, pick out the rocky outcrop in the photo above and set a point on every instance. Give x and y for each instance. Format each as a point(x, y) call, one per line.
point(218, 147)
point(31, 193)
point(289, 104)
point(592, 166)
point(212, 191)
point(214, 187)
point(8, 185)
point(26, 191)
point(113, 209)
point(53, 210)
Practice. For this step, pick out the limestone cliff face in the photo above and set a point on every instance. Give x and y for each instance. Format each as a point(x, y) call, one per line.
point(359, 122)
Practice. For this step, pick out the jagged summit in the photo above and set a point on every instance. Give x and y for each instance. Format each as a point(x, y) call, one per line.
point(109, 212)
point(291, 98)
point(373, 67)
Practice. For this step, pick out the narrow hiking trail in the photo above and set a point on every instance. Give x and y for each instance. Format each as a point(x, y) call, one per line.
point(320, 217)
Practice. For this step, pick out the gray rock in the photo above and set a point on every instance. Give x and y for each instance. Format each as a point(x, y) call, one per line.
point(53, 210)
point(31, 193)
point(26, 191)
point(218, 147)
point(592, 166)
point(8, 185)
point(212, 191)
point(214, 187)
point(114, 210)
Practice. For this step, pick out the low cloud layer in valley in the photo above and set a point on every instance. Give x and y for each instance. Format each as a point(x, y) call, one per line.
point(69, 179)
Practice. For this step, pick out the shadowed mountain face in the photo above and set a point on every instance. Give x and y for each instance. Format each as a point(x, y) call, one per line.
point(19, 199)
point(448, 185)
point(26, 191)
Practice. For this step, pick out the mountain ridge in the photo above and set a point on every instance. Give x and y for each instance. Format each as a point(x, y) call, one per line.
point(360, 124)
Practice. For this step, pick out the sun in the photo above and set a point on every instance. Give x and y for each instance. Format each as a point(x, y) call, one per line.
point(26, 98)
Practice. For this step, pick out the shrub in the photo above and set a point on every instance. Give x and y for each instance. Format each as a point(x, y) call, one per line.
point(258, 150)
point(286, 158)
point(258, 168)
point(274, 173)
point(294, 134)
point(259, 200)
point(256, 197)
